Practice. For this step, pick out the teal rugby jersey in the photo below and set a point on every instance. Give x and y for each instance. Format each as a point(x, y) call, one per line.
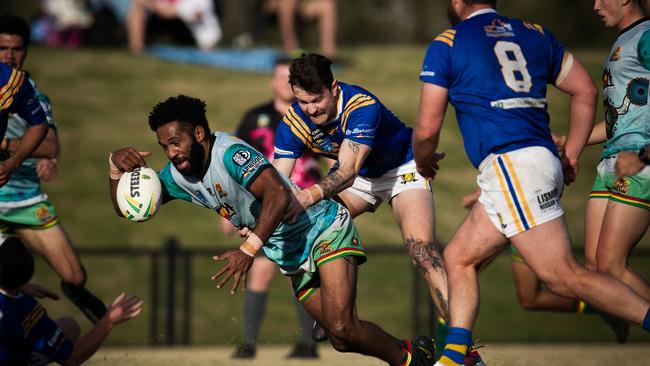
point(625, 88)
point(225, 189)
point(24, 187)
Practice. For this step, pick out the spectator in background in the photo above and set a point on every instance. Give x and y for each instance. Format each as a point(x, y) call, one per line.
point(198, 15)
point(325, 11)
point(258, 129)
point(26, 327)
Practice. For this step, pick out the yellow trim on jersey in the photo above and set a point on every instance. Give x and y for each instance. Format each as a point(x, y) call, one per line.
point(447, 37)
point(356, 102)
point(298, 127)
point(535, 27)
point(520, 192)
point(301, 130)
point(11, 88)
point(12, 79)
point(32, 318)
point(506, 194)
point(7, 98)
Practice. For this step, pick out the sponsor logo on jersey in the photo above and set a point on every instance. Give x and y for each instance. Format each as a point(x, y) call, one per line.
point(408, 178)
point(428, 73)
point(548, 199)
point(241, 157)
point(498, 28)
point(253, 166)
point(226, 211)
point(500, 217)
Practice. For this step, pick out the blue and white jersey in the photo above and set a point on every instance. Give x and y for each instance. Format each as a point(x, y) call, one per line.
point(26, 328)
point(24, 186)
point(19, 97)
point(234, 165)
point(625, 90)
point(361, 118)
point(496, 70)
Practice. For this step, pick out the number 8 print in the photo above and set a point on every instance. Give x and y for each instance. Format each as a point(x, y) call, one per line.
point(512, 61)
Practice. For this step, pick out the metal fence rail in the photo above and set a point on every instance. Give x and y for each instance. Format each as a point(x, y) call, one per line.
point(171, 252)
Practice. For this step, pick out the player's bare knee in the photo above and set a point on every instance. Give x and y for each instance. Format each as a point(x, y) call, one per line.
point(343, 331)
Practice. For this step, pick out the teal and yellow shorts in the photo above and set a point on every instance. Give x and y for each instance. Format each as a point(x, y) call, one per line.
point(633, 191)
point(340, 240)
point(39, 216)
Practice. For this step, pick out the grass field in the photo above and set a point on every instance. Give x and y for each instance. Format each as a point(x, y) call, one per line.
point(101, 100)
point(501, 355)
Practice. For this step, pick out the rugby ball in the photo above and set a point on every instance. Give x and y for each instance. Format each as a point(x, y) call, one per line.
point(139, 194)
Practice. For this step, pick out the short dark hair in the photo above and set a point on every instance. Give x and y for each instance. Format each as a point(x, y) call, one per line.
point(16, 264)
point(187, 110)
point(311, 72)
point(15, 25)
point(489, 2)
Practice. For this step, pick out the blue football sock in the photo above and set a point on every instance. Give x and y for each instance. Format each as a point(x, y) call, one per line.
point(458, 342)
point(646, 321)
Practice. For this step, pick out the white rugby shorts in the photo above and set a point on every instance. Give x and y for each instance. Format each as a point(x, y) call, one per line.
point(395, 181)
point(521, 189)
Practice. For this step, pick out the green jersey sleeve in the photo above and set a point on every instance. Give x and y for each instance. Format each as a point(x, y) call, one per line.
point(244, 164)
point(643, 50)
point(170, 189)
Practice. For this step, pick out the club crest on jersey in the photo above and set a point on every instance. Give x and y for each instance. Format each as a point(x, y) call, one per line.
point(622, 185)
point(226, 211)
point(498, 28)
point(616, 54)
point(408, 178)
point(324, 247)
point(43, 214)
point(241, 157)
point(219, 190)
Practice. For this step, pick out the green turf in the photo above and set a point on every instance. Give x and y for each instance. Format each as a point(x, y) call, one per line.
point(101, 100)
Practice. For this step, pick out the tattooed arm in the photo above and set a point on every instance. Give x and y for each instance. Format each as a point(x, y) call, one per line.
point(351, 156)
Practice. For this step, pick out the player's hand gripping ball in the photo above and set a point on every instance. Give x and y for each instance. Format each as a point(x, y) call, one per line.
point(139, 194)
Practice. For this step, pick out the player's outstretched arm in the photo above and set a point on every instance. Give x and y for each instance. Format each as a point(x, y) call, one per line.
point(124, 307)
point(275, 196)
point(29, 142)
point(351, 156)
point(574, 79)
point(598, 134)
point(123, 160)
point(284, 165)
point(431, 113)
point(48, 148)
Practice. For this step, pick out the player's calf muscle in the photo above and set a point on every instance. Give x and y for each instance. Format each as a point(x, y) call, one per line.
point(424, 254)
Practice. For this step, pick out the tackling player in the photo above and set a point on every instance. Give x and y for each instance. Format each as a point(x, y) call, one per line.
point(24, 208)
point(495, 71)
point(18, 97)
point(372, 148)
point(320, 250)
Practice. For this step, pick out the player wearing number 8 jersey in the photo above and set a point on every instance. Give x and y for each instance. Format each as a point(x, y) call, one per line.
point(494, 71)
